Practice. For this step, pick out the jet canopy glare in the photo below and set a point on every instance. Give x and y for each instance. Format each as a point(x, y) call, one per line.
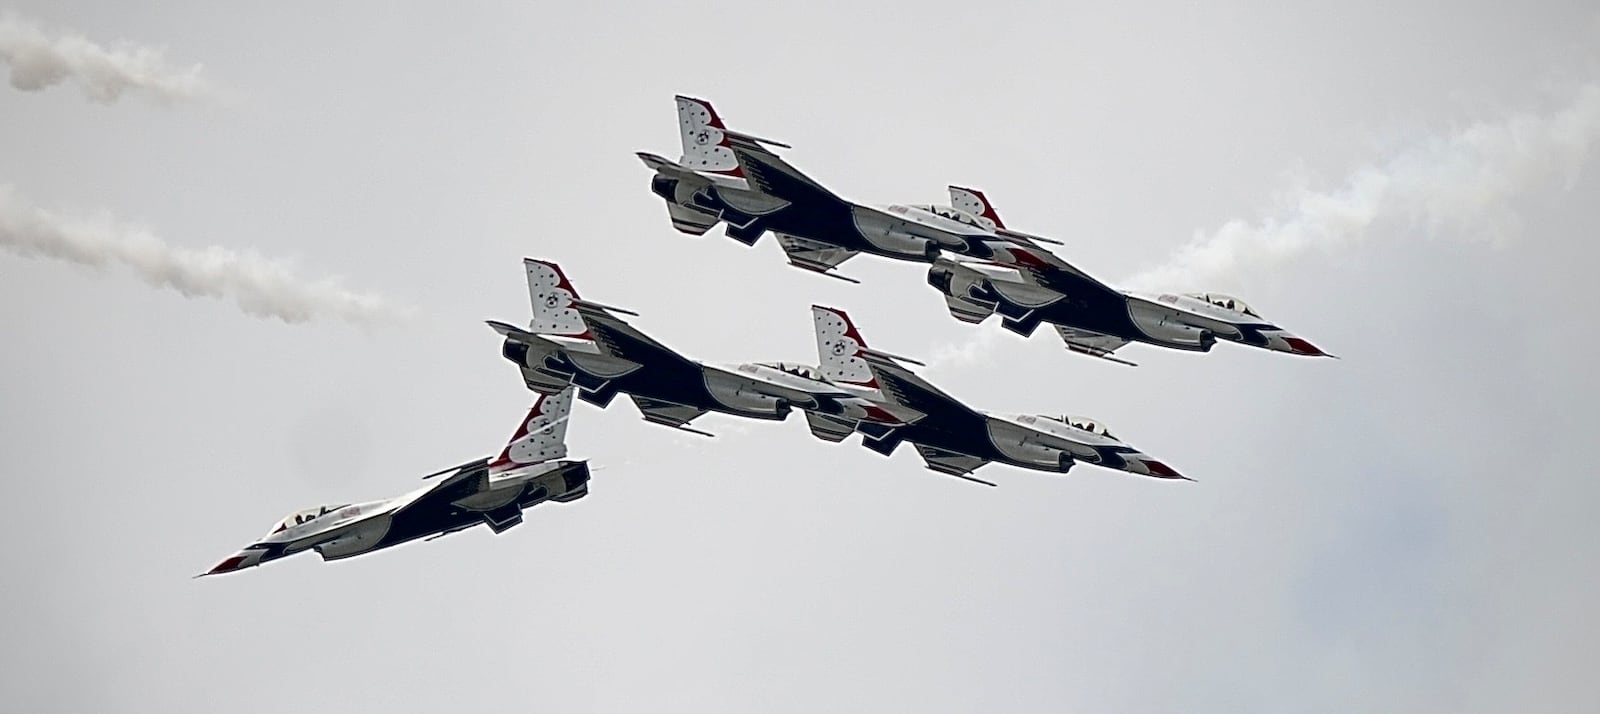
point(305, 516)
point(1227, 301)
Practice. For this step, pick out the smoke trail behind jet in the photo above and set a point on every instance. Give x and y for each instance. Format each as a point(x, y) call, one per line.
point(39, 60)
point(1462, 182)
point(261, 287)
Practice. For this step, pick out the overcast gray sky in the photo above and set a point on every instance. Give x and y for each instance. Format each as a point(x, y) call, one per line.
point(298, 241)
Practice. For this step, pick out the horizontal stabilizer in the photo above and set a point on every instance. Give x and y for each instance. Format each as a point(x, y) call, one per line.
point(967, 310)
point(503, 519)
point(508, 330)
point(667, 413)
point(815, 256)
point(1094, 344)
point(661, 163)
point(829, 428)
point(950, 462)
point(691, 221)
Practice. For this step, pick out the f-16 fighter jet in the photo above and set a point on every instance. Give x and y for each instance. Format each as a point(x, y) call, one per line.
point(573, 341)
point(530, 470)
point(1028, 285)
point(733, 178)
point(954, 438)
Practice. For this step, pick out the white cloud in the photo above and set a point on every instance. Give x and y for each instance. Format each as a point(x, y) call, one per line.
point(260, 286)
point(1459, 183)
point(39, 60)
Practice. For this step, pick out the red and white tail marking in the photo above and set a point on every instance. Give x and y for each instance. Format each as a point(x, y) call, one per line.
point(839, 347)
point(542, 435)
point(551, 295)
point(973, 201)
point(705, 145)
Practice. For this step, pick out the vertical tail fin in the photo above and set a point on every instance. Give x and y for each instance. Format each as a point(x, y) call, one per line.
point(973, 201)
point(551, 295)
point(705, 143)
point(839, 347)
point(542, 435)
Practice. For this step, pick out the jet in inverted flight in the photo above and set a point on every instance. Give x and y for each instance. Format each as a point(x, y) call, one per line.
point(530, 470)
point(571, 341)
point(738, 180)
point(1028, 285)
point(954, 438)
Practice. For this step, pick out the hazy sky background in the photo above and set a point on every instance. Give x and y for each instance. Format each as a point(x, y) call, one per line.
point(1409, 529)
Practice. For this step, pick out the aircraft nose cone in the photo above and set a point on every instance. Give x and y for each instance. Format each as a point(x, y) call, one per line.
point(1152, 467)
point(226, 566)
point(239, 561)
point(1300, 346)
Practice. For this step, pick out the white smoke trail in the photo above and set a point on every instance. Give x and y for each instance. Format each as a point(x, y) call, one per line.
point(261, 287)
point(978, 344)
point(1464, 182)
point(39, 60)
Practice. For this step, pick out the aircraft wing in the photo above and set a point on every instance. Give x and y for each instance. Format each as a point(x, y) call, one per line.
point(666, 413)
point(458, 481)
point(1047, 270)
point(1091, 343)
point(908, 390)
point(619, 339)
point(814, 255)
point(775, 177)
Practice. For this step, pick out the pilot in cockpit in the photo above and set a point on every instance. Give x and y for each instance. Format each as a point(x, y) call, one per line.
point(1228, 302)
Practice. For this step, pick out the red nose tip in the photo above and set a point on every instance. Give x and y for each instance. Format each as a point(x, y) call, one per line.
point(1160, 470)
point(228, 565)
point(1302, 347)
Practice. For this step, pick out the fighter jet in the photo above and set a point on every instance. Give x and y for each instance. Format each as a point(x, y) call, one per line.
point(571, 341)
point(531, 469)
point(736, 179)
point(1028, 285)
point(954, 438)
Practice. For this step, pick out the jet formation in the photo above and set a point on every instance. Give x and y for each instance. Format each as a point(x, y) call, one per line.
point(572, 342)
point(571, 347)
point(981, 267)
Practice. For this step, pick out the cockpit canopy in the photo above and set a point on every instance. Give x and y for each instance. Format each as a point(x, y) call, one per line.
point(1092, 426)
point(954, 214)
point(1226, 301)
point(797, 369)
point(305, 516)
